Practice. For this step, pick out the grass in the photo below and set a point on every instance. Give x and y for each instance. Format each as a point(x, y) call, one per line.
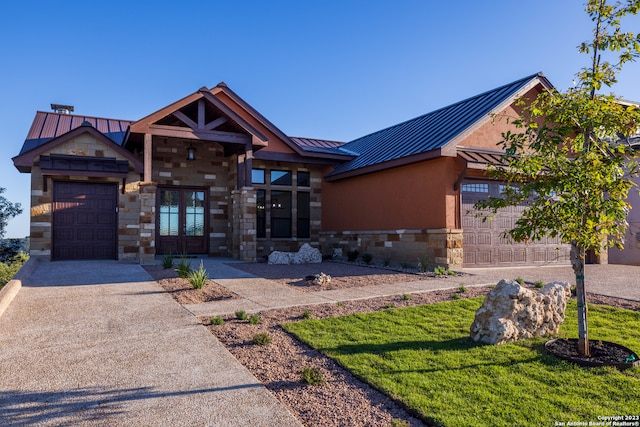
point(241, 315)
point(424, 357)
point(184, 268)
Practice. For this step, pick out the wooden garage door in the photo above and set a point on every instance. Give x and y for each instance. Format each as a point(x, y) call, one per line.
point(85, 220)
point(483, 243)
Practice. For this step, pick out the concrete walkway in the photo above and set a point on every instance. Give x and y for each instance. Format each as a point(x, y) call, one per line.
point(99, 343)
point(258, 294)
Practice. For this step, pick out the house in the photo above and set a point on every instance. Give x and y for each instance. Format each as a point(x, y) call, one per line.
point(630, 255)
point(208, 174)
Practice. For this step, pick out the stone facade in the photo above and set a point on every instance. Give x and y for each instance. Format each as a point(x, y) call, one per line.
point(435, 247)
point(42, 198)
point(244, 224)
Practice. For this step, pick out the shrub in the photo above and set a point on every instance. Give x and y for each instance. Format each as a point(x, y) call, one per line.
point(462, 289)
point(423, 265)
point(352, 255)
point(306, 314)
point(254, 319)
point(9, 269)
point(198, 277)
point(340, 304)
point(455, 296)
point(520, 281)
point(405, 265)
point(312, 376)
point(167, 261)
point(216, 320)
point(261, 339)
point(407, 297)
point(241, 315)
point(386, 262)
point(367, 258)
point(442, 271)
point(184, 268)
point(539, 284)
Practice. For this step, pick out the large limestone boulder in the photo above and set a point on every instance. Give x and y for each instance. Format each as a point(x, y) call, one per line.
point(305, 255)
point(511, 312)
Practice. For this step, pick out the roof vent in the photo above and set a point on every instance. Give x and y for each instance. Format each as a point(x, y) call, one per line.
point(62, 109)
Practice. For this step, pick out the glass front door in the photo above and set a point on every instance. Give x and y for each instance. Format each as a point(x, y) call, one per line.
point(182, 220)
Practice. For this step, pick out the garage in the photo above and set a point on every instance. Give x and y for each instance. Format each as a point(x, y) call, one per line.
point(85, 220)
point(483, 243)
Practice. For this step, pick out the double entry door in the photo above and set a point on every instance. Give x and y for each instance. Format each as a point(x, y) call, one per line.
point(182, 221)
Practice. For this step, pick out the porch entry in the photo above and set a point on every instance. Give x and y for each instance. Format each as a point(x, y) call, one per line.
point(182, 220)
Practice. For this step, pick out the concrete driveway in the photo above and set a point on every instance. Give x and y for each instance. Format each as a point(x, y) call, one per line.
point(99, 343)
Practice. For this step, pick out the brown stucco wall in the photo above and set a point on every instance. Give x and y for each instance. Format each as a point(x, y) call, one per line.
point(415, 196)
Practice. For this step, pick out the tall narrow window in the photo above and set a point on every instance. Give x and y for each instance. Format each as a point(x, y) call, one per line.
point(194, 213)
point(280, 213)
point(261, 213)
point(257, 176)
point(304, 179)
point(169, 212)
point(304, 215)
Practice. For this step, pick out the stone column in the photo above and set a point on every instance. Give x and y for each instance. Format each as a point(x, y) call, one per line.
point(243, 224)
point(147, 243)
point(447, 245)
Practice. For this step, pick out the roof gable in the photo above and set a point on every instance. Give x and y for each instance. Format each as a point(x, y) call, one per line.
point(49, 125)
point(435, 132)
point(24, 161)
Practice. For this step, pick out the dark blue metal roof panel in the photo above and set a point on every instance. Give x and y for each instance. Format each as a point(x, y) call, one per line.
point(427, 132)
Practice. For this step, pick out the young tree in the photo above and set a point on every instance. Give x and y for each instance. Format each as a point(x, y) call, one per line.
point(569, 159)
point(8, 210)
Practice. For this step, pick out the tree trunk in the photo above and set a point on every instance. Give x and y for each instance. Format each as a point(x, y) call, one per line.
point(577, 261)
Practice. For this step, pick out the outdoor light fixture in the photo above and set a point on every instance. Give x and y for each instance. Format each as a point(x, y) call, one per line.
point(191, 153)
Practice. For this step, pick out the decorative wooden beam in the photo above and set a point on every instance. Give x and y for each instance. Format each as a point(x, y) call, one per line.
point(200, 113)
point(148, 156)
point(248, 164)
point(186, 120)
point(205, 135)
point(215, 123)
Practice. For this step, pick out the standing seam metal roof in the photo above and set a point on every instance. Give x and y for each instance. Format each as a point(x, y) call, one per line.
point(427, 132)
point(48, 125)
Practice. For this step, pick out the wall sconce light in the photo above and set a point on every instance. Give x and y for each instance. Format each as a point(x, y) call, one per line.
point(191, 153)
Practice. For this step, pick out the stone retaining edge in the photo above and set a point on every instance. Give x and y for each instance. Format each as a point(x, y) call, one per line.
point(11, 289)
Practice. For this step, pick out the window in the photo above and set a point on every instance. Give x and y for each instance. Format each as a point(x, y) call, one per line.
point(304, 214)
point(194, 213)
point(280, 213)
point(169, 212)
point(257, 176)
point(304, 179)
point(261, 213)
point(280, 177)
point(475, 188)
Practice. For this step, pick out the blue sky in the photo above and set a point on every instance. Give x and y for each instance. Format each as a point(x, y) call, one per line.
point(324, 69)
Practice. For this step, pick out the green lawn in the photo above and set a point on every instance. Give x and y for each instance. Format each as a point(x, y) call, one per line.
point(423, 356)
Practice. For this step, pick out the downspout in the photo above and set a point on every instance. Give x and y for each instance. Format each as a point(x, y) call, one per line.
point(456, 187)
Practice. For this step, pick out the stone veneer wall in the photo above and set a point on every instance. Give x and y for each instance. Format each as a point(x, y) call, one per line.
point(244, 224)
point(435, 246)
point(41, 200)
point(210, 169)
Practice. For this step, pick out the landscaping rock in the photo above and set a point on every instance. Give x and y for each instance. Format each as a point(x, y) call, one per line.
point(318, 279)
point(306, 255)
point(511, 312)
